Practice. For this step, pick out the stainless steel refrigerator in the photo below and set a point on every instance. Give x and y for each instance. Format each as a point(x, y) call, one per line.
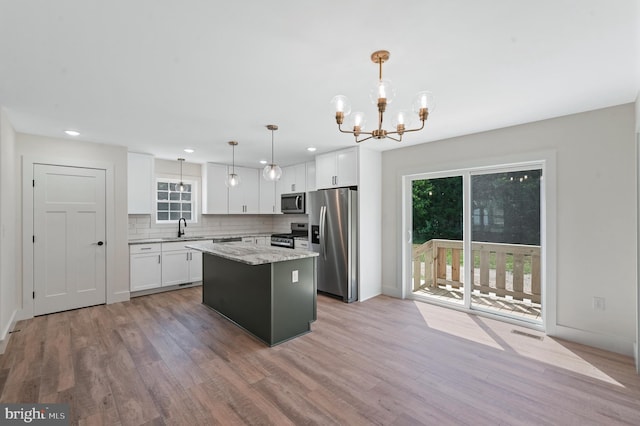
point(333, 220)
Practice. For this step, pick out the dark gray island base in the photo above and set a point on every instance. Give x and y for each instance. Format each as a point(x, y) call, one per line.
point(253, 286)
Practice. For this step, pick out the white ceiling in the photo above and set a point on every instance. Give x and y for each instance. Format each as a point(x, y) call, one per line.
point(158, 76)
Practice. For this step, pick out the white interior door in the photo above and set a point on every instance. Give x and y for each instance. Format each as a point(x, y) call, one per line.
point(69, 238)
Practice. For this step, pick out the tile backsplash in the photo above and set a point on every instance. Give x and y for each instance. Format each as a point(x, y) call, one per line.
point(143, 226)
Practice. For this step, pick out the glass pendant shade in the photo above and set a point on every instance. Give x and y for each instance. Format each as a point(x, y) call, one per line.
point(181, 184)
point(272, 172)
point(382, 89)
point(358, 119)
point(232, 180)
point(341, 104)
point(423, 100)
point(402, 117)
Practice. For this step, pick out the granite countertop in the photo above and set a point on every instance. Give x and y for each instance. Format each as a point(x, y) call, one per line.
point(194, 238)
point(251, 254)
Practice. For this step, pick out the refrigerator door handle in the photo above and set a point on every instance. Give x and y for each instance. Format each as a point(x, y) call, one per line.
point(323, 244)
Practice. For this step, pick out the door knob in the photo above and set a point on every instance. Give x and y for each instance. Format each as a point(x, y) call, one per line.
point(100, 243)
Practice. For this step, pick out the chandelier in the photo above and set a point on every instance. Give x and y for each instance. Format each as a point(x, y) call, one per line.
point(381, 95)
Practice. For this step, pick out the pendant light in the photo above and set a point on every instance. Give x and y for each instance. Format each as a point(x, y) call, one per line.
point(272, 172)
point(233, 179)
point(181, 185)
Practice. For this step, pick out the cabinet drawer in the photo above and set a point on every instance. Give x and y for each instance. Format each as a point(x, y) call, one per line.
point(176, 245)
point(144, 248)
point(301, 244)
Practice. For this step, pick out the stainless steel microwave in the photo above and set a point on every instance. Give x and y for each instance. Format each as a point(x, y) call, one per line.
point(293, 203)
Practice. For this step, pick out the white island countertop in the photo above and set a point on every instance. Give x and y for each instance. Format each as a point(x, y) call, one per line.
point(251, 254)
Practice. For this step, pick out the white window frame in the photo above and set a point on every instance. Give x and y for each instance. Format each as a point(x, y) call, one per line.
point(194, 200)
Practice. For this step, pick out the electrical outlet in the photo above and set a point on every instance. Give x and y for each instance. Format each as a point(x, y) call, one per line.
point(294, 276)
point(598, 303)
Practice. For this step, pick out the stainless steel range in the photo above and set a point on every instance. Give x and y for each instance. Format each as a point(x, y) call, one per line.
point(298, 230)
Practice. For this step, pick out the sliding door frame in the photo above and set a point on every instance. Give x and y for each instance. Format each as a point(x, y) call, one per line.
point(541, 160)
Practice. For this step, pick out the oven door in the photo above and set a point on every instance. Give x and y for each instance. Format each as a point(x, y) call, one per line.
point(293, 203)
point(279, 241)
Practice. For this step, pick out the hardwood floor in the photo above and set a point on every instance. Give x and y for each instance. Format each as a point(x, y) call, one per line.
point(167, 359)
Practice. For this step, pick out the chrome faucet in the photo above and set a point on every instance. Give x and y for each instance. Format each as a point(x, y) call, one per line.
point(180, 230)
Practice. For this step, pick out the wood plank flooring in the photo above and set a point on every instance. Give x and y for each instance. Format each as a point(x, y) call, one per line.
point(166, 359)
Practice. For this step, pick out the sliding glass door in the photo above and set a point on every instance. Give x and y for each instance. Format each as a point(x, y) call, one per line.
point(476, 239)
point(437, 251)
point(505, 243)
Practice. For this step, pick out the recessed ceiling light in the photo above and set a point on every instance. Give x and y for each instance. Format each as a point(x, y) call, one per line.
point(263, 161)
point(311, 149)
point(72, 132)
point(189, 150)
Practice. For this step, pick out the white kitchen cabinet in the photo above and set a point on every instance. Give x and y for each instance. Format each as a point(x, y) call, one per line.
point(214, 191)
point(179, 264)
point(293, 179)
point(268, 197)
point(195, 266)
point(145, 266)
point(300, 243)
point(311, 176)
point(245, 198)
point(337, 169)
point(140, 188)
point(259, 240)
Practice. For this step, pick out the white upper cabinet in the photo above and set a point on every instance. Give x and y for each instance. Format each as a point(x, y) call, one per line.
point(311, 176)
point(245, 198)
point(294, 179)
point(140, 183)
point(337, 169)
point(218, 199)
point(214, 191)
point(267, 196)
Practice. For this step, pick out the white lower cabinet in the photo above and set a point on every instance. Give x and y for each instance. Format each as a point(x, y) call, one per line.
point(163, 264)
point(145, 265)
point(261, 241)
point(180, 265)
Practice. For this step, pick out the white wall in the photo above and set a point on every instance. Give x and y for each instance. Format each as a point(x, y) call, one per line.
point(9, 299)
point(370, 222)
point(32, 149)
point(596, 190)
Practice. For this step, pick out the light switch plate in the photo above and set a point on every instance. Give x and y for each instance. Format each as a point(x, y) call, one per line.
point(294, 276)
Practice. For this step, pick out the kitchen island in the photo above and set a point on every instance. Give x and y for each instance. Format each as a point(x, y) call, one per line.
point(268, 291)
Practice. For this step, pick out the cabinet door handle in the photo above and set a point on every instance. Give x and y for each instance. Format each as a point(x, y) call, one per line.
point(145, 248)
point(158, 258)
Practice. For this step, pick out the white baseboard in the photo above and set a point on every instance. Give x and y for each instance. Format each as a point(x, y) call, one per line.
point(122, 296)
point(369, 297)
point(392, 291)
point(6, 333)
point(163, 289)
point(607, 342)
